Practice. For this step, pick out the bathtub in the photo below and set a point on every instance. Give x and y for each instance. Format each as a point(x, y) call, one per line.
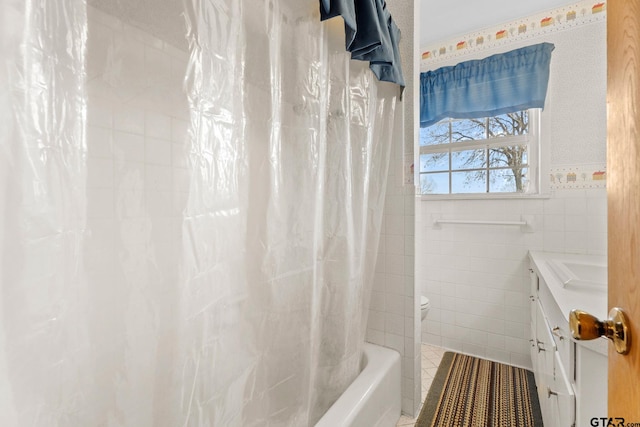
point(374, 397)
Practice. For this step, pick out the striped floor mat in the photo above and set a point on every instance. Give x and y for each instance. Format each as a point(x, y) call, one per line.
point(469, 392)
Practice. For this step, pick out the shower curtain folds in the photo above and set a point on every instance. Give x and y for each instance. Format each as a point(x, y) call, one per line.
point(189, 226)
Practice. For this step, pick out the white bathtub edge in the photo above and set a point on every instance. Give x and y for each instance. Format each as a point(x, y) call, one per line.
point(374, 398)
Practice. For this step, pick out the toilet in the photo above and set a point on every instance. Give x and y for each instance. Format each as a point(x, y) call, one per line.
point(424, 306)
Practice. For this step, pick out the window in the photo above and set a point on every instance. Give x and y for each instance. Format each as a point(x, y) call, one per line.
point(480, 156)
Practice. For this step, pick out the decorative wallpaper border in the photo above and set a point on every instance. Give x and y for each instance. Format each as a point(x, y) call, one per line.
point(560, 19)
point(576, 177)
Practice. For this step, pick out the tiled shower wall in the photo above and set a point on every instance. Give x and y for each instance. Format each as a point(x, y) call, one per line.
point(137, 188)
point(476, 276)
point(394, 315)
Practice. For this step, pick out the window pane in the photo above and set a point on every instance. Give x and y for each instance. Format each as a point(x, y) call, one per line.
point(514, 155)
point(434, 162)
point(478, 168)
point(434, 183)
point(469, 159)
point(509, 124)
point(468, 130)
point(435, 134)
point(509, 180)
point(469, 182)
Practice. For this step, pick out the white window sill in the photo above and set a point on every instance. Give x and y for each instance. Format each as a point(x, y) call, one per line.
point(490, 196)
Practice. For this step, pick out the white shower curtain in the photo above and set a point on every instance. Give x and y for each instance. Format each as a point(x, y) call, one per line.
point(44, 351)
point(206, 258)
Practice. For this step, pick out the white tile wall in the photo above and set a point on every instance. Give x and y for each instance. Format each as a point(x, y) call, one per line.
point(394, 314)
point(476, 276)
point(133, 216)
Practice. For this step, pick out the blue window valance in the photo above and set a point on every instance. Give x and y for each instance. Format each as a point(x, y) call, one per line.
point(370, 35)
point(499, 84)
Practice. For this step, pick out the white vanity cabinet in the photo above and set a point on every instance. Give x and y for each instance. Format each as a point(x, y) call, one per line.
point(555, 392)
point(571, 376)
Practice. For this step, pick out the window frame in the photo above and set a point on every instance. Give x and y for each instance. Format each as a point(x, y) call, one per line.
point(531, 140)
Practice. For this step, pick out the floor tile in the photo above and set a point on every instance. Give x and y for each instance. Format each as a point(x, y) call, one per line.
point(405, 421)
point(430, 358)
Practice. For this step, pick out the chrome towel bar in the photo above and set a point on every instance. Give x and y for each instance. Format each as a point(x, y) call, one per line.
point(464, 221)
point(526, 222)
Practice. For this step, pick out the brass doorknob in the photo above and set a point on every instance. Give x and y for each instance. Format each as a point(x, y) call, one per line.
point(585, 326)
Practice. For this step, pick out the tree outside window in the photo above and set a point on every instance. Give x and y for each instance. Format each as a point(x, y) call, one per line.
point(484, 155)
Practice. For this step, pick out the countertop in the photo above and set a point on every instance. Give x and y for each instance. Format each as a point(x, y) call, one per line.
point(591, 300)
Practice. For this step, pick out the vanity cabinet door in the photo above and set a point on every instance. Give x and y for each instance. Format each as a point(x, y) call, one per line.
point(591, 380)
point(533, 298)
point(559, 327)
point(533, 350)
point(544, 362)
point(561, 398)
point(544, 339)
point(556, 395)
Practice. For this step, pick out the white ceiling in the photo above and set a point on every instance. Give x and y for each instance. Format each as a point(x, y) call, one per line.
point(445, 19)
